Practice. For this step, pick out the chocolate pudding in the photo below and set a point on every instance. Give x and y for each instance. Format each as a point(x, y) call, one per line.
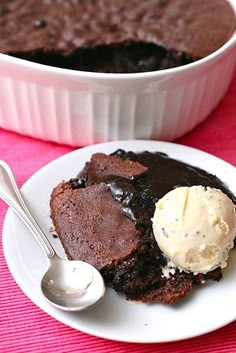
point(103, 216)
point(114, 36)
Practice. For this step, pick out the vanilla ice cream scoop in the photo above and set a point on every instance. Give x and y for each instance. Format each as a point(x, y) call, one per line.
point(195, 227)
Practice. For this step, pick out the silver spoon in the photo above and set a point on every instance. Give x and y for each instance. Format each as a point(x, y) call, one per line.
point(67, 285)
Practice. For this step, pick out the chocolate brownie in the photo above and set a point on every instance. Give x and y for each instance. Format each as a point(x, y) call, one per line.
point(86, 221)
point(114, 36)
point(106, 221)
point(102, 165)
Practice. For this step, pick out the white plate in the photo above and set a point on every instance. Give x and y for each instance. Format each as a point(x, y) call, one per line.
point(208, 308)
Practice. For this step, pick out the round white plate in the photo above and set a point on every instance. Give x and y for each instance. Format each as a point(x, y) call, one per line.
point(208, 307)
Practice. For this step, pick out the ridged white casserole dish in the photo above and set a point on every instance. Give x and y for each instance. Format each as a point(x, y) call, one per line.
point(81, 108)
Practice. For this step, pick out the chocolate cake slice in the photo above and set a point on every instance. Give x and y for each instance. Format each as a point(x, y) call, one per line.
point(101, 166)
point(104, 217)
point(89, 219)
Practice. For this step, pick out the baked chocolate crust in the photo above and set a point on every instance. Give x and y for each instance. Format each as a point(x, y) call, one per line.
point(102, 166)
point(114, 36)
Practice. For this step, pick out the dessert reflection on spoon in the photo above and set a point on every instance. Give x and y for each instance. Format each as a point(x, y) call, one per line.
point(67, 285)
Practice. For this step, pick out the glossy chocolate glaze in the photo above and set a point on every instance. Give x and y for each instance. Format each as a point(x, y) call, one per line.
point(139, 195)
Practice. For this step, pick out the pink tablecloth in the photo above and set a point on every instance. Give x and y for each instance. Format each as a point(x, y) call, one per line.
point(24, 327)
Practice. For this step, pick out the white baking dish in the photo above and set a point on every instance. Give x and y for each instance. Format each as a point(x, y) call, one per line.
point(80, 108)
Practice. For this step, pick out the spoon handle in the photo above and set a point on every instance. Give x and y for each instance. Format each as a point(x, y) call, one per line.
point(10, 193)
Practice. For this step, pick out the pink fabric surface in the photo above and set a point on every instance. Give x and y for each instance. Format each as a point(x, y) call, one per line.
point(24, 327)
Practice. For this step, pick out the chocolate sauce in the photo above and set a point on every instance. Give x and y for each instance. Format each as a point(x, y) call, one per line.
point(122, 58)
point(138, 196)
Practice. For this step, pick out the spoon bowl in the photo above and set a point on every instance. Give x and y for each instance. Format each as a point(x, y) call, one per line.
point(68, 285)
point(72, 285)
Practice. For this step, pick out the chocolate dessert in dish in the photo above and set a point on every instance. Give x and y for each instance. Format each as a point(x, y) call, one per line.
point(104, 217)
point(114, 36)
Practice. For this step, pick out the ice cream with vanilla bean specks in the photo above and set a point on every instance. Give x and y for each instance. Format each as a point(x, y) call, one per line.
point(195, 227)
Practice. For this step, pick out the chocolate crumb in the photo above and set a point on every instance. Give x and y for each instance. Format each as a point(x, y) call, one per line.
point(40, 24)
